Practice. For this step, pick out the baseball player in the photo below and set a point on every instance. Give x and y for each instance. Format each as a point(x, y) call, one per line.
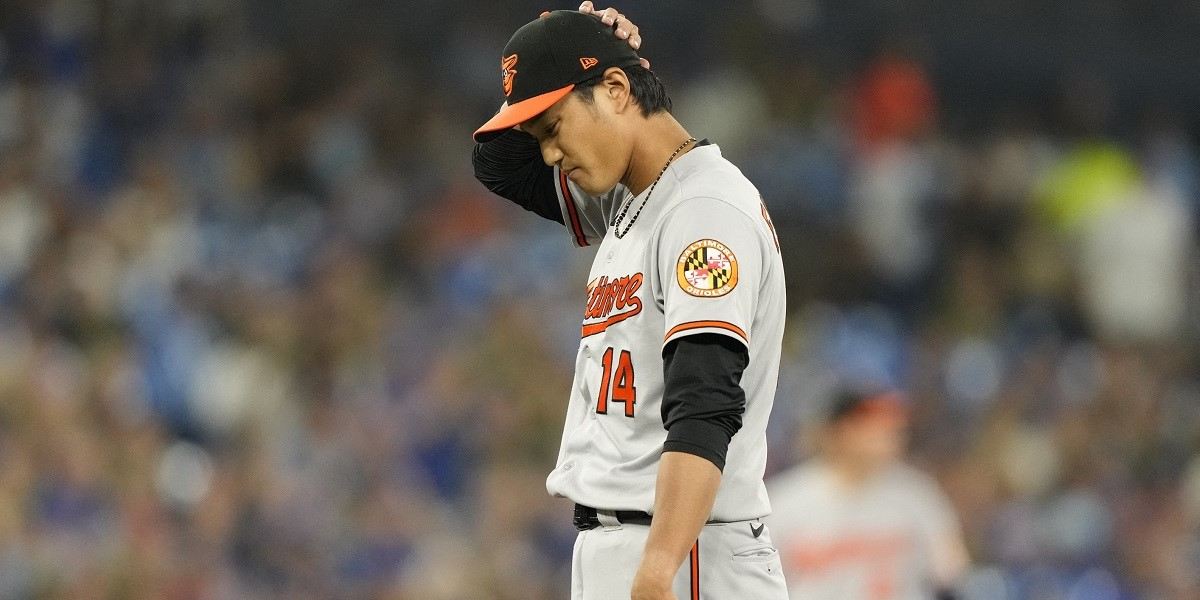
point(663, 450)
point(856, 523)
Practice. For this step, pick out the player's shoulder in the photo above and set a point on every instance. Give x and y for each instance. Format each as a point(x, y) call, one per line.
point(708, 177)
point(903, 473)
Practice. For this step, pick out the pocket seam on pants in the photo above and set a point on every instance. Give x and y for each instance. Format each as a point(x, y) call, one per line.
point(755, 553)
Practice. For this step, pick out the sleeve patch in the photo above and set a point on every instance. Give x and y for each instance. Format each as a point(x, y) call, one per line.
point(707, 269)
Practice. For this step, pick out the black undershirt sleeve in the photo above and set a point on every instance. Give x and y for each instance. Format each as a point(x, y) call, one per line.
point(703, 400)
point(511, 166)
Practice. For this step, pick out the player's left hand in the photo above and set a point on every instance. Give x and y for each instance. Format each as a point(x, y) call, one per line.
point(648, 585)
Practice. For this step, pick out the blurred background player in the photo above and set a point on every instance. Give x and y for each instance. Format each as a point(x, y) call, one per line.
point(858, 523)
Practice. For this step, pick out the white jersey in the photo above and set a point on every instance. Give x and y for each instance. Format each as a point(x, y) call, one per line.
point(702, 257)
point(870, 543)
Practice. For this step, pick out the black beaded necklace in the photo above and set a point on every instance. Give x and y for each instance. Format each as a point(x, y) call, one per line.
point(617, 221)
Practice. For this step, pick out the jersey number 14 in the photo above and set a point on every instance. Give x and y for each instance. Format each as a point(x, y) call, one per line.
point(617, 385)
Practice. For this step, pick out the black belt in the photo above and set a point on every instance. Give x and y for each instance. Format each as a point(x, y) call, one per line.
point(585, 517)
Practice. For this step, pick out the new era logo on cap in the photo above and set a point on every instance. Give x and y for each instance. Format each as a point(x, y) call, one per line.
point(556, 52)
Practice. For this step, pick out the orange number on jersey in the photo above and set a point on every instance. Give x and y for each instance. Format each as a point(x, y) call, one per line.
point(622, 388)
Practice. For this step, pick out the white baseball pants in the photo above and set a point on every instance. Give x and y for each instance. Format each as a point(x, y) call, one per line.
point(728, 562)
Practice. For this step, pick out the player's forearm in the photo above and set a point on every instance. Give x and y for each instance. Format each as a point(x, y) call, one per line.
point(511, 167)
point(684, 494)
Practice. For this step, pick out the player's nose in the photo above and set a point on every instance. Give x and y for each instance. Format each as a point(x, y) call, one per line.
point(551, 155)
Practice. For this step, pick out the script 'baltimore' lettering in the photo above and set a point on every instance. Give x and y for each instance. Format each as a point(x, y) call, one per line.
point(607, 295)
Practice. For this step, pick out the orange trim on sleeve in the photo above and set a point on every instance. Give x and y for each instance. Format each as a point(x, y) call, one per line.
point(696, 571)
point(690, 325)
point(572, 210)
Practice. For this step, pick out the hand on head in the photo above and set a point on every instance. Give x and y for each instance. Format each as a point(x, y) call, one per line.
point(622, 27)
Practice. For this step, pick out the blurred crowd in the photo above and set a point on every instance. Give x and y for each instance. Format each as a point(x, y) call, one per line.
point(263, 336)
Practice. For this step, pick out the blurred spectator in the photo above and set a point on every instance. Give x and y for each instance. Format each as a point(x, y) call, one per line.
point(893, 102)
point(893, 181)
point(1135, 265)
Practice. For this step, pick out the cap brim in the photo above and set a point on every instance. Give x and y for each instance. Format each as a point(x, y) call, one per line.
point(515, 114)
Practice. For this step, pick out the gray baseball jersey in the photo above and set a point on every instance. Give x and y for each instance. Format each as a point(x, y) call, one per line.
point(867, 543)
point(702, 257)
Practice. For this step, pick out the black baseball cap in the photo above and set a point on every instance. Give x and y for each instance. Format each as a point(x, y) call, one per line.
point(851, 402)
point(544, 61)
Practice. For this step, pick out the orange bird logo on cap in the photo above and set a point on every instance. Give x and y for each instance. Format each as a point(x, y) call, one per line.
point(507, 70)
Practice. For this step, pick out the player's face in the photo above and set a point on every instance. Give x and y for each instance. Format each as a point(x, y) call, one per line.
point(871, 439)
point(582, 139)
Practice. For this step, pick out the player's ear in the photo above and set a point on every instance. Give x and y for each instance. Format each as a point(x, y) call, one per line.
point(615, 86)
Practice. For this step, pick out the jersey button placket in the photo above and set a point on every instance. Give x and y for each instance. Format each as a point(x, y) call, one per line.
point(587, 355)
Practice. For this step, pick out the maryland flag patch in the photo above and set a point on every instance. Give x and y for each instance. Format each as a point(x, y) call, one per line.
point(707, 269)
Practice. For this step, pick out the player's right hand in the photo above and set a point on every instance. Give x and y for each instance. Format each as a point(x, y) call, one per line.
point(622, 26)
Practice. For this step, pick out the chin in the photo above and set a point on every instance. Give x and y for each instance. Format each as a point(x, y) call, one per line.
point(593, 187)
point(589, 189)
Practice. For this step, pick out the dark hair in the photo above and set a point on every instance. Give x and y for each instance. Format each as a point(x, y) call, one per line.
point(646, 88)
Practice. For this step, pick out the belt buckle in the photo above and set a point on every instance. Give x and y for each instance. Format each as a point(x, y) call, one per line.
point(585, 518)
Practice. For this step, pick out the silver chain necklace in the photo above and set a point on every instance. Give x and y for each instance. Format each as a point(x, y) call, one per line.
point(617, 221)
